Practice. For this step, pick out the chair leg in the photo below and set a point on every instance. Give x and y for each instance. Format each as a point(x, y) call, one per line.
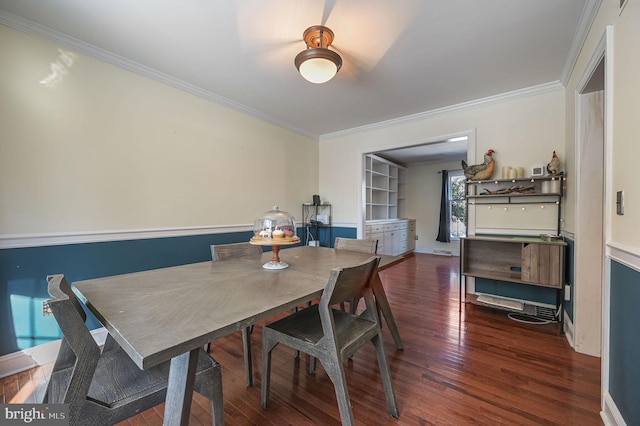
point(248, 364)
point(312, 364)
point(353, 305)
point(296, 353)
point(335, 371)
point(385, 374)
point(267, 346)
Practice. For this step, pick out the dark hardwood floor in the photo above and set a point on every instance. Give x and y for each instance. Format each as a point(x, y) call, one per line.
point(472, 368)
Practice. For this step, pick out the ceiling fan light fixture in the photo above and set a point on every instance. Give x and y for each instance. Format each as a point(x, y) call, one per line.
point(317, 63)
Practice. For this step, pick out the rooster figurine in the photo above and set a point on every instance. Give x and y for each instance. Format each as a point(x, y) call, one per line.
point(482, 171)
point(553, 168)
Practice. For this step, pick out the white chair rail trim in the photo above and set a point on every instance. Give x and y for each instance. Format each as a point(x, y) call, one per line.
point(37, 240)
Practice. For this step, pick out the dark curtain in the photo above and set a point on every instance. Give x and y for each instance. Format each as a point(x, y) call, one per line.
point(444, 231)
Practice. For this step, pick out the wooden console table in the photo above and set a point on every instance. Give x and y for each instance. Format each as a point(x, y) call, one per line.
point(521, 260)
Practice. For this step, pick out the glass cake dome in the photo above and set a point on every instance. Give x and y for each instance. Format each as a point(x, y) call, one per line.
point(275, 226)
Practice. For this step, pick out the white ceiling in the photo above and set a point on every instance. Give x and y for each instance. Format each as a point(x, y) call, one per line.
point(439, 151)
point(400, 57)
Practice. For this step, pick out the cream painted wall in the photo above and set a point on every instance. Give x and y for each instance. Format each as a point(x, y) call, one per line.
point(524, 131)
point(626, 107)
point(423, 204)
point(107, 149)
point(626, 104)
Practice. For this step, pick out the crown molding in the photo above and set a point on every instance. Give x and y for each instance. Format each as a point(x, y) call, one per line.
point(33, 28)
point(589, 13)
point(24, 25)
point(489, 100)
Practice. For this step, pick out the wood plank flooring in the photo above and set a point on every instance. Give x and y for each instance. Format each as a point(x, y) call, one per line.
point(472, 368)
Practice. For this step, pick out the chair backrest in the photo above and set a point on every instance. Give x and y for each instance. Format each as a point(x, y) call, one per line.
point(78, 346)
point(363, 246)
point(225, 251)
point(349, 282)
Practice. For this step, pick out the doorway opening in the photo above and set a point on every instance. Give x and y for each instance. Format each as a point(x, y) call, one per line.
point(421, 162)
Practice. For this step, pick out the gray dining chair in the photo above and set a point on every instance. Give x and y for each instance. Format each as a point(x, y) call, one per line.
point(227, 251)
point(106, 387)
point(332, 335)
point(362, 246)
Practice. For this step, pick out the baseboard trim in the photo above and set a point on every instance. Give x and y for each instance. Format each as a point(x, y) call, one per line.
point(26, 359)
point(610, 414)
point(568, 330)
point(454, 253)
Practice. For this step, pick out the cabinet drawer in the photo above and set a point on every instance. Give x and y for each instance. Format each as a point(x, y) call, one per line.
point(374, 236)
point(375, 228)
point(391, 227)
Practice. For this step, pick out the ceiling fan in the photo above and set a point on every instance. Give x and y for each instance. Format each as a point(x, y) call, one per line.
point(363, 31)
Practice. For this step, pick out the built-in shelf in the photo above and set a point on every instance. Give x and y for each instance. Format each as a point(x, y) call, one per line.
point(384, 189)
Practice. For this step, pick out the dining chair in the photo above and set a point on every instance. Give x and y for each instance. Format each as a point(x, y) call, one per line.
point(106, 387)
point(363, 246)
point(332, 335)
point(226, 251)
point(352, 244)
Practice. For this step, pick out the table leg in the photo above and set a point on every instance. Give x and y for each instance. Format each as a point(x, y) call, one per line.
point(383, 305)
point(182, 376)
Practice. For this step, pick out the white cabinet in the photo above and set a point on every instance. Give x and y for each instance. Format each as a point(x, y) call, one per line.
point(385, 189)
point(395, 237)
point(376, 232)
point(392, 238)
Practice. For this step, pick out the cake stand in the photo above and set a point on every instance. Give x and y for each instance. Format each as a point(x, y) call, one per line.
point(275, 244)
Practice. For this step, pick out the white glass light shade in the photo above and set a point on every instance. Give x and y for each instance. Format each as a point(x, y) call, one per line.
point(317, 64)
point(318, 70)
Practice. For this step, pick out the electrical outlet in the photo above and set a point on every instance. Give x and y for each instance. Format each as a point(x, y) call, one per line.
point(416, 237)
point(567, 293)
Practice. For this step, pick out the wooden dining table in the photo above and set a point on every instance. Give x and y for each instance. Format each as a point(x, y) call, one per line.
point(169, 313)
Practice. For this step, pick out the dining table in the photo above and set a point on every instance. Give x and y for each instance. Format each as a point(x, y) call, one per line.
point(170, 313)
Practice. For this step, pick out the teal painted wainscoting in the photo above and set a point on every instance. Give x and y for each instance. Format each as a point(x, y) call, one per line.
point(624, 344)
point(517, 291)
point(23, 273)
